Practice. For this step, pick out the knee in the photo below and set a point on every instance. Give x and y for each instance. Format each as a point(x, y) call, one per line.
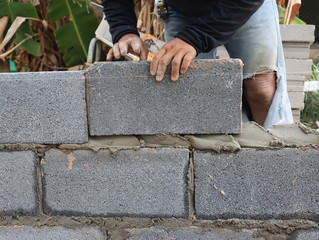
point(260, 89)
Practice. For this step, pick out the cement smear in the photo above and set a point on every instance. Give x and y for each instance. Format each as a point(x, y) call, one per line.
point(296, 135)
point(216, 143)
point(270, 229)
point(252, 136)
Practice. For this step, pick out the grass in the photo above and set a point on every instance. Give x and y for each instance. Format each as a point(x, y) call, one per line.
point(310, 114)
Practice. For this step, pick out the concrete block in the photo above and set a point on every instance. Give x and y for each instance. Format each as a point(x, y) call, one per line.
point(296, 99)
point(296, 115)
point(297, 33)
point(18, 194)
point(257, 184)
point(308, 234)
point(43, 107)
point(298, 67)
point(296, 50)
point(189, 234)
point(125, 99)
point(57, 233)
point(143, 183)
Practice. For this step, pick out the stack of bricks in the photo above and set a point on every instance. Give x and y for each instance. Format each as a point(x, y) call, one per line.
point(55, 186)
point(296, 41)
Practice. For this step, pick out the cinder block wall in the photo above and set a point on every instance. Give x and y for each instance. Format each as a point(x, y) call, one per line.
point(77, 159)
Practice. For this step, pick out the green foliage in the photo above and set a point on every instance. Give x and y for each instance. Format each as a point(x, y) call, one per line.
point(15, 9)
point(315, 73)
point(310, 113)
point(73, 38)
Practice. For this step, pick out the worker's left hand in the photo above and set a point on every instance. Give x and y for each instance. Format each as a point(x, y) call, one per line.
point(177, 52)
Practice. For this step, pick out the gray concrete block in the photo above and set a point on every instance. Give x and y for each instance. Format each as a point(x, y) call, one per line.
point(18, 185)
point(43, 107)
point(296, 99)
point(308, 234)
point(125, 99)
point(298, 67)
point(297, 33)
point(56, 233)
point(142, 183)
point(190, 233)
point(257, 184)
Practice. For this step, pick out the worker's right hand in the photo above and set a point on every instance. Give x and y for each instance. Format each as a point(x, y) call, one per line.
point(128, 43)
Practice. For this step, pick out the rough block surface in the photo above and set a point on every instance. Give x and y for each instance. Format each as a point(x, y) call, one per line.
point(43, 107)
point(309, 234)
point(257, 184)
point(147, 182)
point(56, 233)
point(189, 234)
point(125, 99)
point(18, 189)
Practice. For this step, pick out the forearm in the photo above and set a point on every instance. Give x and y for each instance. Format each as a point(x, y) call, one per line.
point(121, 17)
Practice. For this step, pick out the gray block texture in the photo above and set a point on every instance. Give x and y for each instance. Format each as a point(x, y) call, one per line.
point(308, 234)
point(143, 183)
point(257, 184)
point(189, 234)
point(43, 107)
point(18, 185)
point(56, 233)
point(125, 99)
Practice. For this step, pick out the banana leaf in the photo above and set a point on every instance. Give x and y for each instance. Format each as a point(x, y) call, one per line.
point(74, 37)
point(17, 9)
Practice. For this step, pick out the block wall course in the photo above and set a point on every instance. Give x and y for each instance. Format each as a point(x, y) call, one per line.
point(56, 233)
point(143, 183)
point(256, 184)
point(43, 107)
point(124, 99)
point(18, 185)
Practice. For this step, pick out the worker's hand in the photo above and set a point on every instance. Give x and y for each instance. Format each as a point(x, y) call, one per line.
point(177, 52)
point(128, 43)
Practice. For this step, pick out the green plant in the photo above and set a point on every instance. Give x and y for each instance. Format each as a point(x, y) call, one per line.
point(315, 73)
point(310, 113)
point(14, 9)
point(72, 37)
point(44, 30)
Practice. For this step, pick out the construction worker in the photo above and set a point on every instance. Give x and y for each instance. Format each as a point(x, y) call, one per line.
point(249, 30)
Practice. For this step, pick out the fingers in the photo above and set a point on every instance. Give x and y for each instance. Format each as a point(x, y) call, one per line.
point(144, 53)
point(155, 63)
point(176, 64)
point(128, 43)
point(110, 55)
point(116, 51)
point(186, 61)
point(178, 53)
point(123, 48)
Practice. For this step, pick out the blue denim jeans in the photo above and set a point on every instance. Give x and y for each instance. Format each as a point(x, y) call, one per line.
point(258, 44)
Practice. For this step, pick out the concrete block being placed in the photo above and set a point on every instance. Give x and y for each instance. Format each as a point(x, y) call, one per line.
point(32, 233)
point(43, 107)
point(18, 185)
point(125, 99)
point(143, 183)
point(257, 184)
